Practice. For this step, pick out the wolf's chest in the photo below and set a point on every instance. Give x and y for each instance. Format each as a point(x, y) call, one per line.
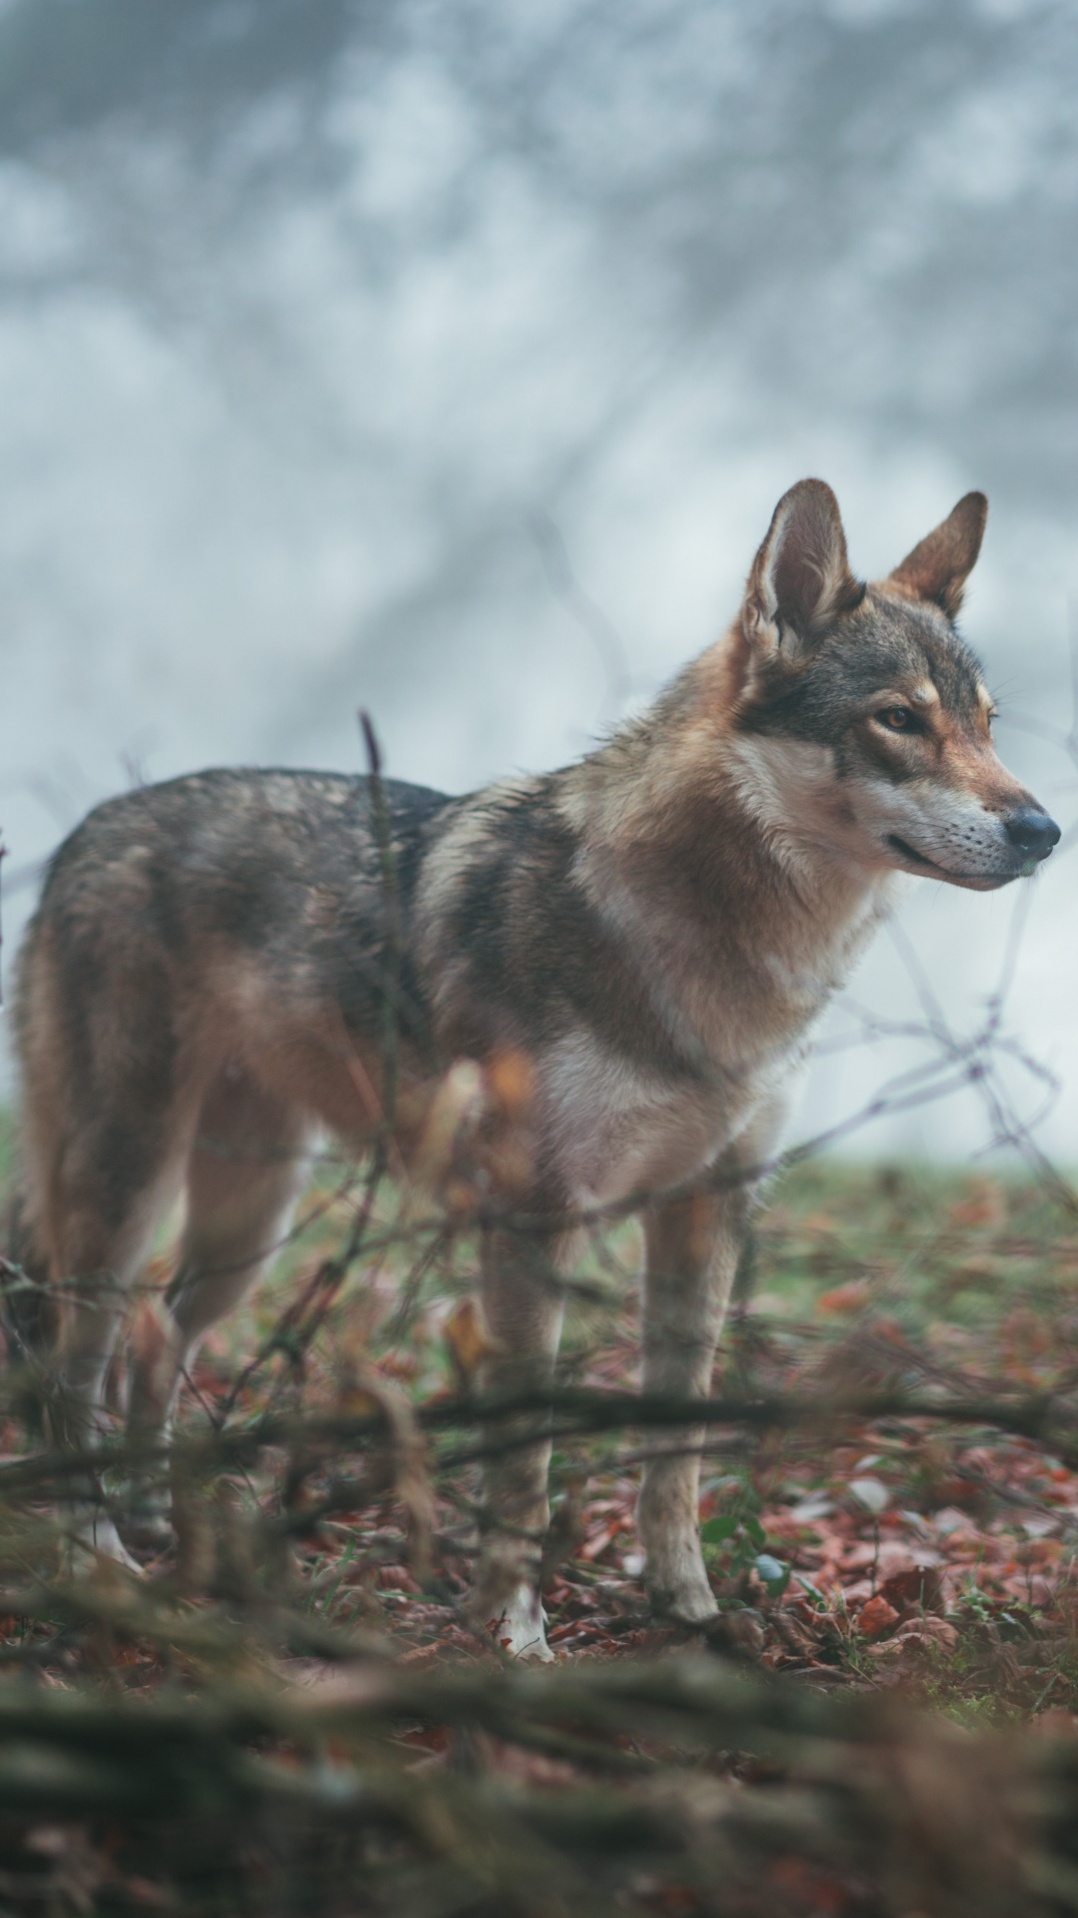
point(737, 1037)
point(614, 1128)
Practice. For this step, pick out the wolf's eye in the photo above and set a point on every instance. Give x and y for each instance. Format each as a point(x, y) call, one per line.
point(897, 719)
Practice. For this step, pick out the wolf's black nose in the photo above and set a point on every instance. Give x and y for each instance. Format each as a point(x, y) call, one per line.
point(1032, 831)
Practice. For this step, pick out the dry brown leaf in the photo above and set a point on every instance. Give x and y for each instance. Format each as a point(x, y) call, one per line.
point(852, 1297)
point(453, 1115)
point(471, 1342)
point(986, 1206)
point(877, 1617)
point(921, 1589)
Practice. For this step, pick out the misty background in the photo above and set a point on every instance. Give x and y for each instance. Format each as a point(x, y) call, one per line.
point(447, 357)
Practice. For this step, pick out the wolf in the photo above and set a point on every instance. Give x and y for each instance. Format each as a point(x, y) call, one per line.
point(651, 933)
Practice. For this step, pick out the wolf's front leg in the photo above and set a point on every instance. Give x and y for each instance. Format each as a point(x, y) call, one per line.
point(692, 1250)
point(523, 1304)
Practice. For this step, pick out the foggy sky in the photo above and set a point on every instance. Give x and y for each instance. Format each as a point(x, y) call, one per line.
point(448, 359)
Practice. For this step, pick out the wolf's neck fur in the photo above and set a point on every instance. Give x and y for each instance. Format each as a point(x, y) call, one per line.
point(722, 853)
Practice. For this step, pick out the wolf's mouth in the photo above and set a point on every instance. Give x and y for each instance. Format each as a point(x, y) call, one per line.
point(979, 882)
point(912, 856)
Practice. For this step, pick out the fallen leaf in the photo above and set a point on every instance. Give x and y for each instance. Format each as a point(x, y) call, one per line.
point(469, 1340)
point(921, 1589)
point(985, 1206)
point(918, 1639)
point(872, 1493)
point(844, 1298)
point(877, 1617)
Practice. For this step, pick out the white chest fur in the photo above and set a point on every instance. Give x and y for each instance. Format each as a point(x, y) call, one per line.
point(745, 1025)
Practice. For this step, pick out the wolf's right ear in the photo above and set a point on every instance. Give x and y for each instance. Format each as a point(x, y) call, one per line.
point(800, 578)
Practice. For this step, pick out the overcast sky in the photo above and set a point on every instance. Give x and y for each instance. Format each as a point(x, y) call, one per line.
point(448, 359)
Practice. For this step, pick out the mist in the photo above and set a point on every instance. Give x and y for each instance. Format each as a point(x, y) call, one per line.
point(448, 360)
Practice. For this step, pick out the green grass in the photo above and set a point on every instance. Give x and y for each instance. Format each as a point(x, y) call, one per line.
point(896, 1278)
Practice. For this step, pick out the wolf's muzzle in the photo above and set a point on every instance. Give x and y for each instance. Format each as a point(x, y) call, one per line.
point(1032, 832)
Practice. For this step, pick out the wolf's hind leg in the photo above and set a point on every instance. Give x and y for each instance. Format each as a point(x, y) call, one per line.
point(523, 1304)
point(692, 1251)
point(247, 1163)
point(106, 1197)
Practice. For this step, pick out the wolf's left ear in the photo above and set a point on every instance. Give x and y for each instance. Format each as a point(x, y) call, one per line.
point(938, 568)
point(800, 578)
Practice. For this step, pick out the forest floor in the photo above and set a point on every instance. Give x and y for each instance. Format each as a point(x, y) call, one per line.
point(900, 1585)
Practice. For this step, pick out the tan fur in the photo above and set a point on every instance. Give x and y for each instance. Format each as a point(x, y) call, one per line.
point(602, 984)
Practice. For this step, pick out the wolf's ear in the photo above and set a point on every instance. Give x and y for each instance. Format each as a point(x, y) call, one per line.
point(938, 568)
point(800, 578)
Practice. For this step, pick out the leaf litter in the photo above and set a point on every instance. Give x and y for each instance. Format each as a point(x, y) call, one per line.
point(903, 1563)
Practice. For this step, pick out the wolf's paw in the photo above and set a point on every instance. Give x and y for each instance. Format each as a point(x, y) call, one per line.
point(93, 1540)
point(520, 1626)
point(678, 1588)
point(688, 1606)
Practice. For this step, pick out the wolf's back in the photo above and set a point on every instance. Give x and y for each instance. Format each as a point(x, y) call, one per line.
point(231, 841)
point(270, 861)
point(301, 880)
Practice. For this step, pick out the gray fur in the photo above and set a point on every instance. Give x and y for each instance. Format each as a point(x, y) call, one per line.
point(640, 944)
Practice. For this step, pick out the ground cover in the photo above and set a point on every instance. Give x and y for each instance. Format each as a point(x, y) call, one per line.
point(293, 1711)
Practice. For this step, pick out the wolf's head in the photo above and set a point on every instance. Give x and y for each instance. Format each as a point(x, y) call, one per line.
point(862, 718)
